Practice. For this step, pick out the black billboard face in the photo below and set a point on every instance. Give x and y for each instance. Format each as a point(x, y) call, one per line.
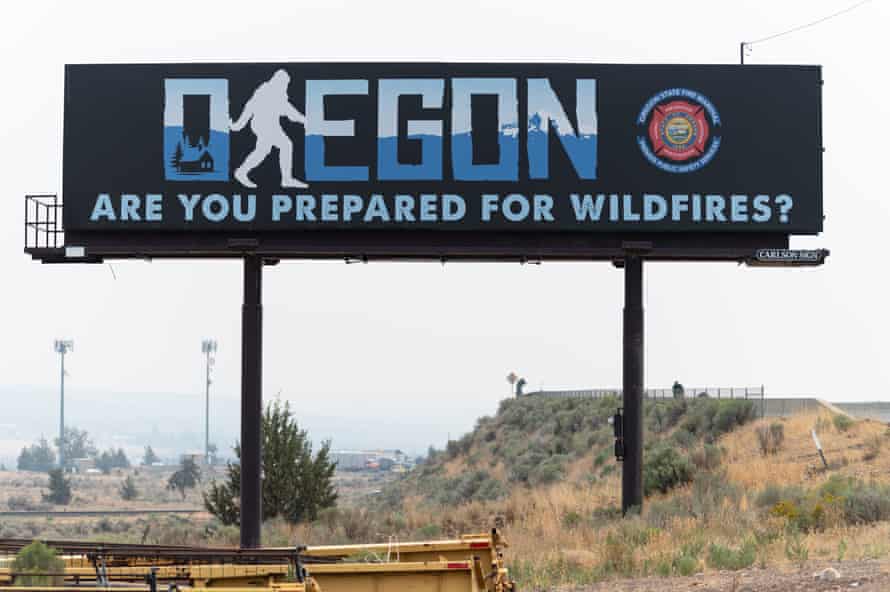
point(506, 147)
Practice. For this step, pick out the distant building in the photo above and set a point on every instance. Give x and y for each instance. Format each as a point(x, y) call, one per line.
point(371, 460)
point(195, 457)
point(83, 465)
point(353, 460)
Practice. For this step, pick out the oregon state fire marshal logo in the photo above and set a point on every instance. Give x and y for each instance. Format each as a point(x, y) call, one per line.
point(678, 130)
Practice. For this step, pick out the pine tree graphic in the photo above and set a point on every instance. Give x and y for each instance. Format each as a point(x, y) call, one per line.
point(177, 156)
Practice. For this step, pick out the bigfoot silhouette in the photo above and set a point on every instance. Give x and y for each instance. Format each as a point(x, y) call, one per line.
point(264, 111)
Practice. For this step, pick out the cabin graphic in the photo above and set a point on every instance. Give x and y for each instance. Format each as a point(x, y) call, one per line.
point(196, 129)
point(204, 164)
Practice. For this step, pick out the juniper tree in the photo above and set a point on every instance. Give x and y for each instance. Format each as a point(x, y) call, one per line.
point(128, 489)
point(59, 488)
point(37, 457)
point(296, 485)
point(186, 477)
point(149, 458)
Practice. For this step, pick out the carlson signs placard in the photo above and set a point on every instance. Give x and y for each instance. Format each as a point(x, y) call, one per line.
point(525, 147)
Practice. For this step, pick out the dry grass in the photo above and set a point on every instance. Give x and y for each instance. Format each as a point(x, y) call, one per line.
point(798, 462)
point(93, 492)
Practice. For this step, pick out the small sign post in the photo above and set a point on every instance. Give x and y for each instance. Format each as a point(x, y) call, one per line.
point(819, 448)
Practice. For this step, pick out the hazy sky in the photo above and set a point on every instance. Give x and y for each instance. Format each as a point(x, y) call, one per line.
point(411, 343)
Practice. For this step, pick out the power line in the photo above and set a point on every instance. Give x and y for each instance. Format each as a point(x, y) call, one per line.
point(807, 25)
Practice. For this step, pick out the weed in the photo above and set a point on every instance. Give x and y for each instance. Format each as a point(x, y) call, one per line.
point(770, 438)
point(571, 519)
point(720, 557)
point(796, 549)
point(709, 493)
point(601, 458)
point(873, 445)
point(842, 423)
point(685, 565)
point(430, 531)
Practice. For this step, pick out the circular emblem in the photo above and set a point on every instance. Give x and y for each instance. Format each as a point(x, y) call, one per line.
point(677, 130)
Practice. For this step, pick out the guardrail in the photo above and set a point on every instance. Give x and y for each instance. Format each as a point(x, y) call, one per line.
point(88, 513)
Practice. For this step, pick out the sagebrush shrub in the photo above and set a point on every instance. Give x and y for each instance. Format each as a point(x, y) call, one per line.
point(664, 468)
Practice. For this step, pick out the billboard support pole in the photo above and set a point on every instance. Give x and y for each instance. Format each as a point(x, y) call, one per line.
point(251, 402)
point(632, 383)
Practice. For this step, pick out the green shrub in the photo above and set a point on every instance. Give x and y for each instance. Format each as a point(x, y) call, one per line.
point(663, 469)
point(867, 503)
point(720, 557)
point(685, 565)
point(709, 419)
point(470, 486)
point(842, 423)
point(683, 439)
point(769, 496)
point(601, 458)
point(549, 471)
point(38, 559)
point(20, 503)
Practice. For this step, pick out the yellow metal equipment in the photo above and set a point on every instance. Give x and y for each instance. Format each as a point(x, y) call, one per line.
point(471, 563)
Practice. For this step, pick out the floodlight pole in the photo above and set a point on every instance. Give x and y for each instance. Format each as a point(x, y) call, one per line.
point(207, 409)
point(208, 347)
point(251, 402)
point(62, 347)
point(632, 384)
point(62, 408)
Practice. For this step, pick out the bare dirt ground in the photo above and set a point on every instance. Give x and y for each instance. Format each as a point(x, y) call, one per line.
point(861, 576)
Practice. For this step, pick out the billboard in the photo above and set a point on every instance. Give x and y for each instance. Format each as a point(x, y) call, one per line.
point(250, 148)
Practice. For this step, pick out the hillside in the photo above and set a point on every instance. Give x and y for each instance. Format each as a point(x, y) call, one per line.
point(725, 491)
point(534, 442)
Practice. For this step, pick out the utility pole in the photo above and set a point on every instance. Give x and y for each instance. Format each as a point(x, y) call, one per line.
point(62, 347)
point(208, 348)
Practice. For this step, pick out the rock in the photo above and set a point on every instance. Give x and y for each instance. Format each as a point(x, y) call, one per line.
point(828, 574)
